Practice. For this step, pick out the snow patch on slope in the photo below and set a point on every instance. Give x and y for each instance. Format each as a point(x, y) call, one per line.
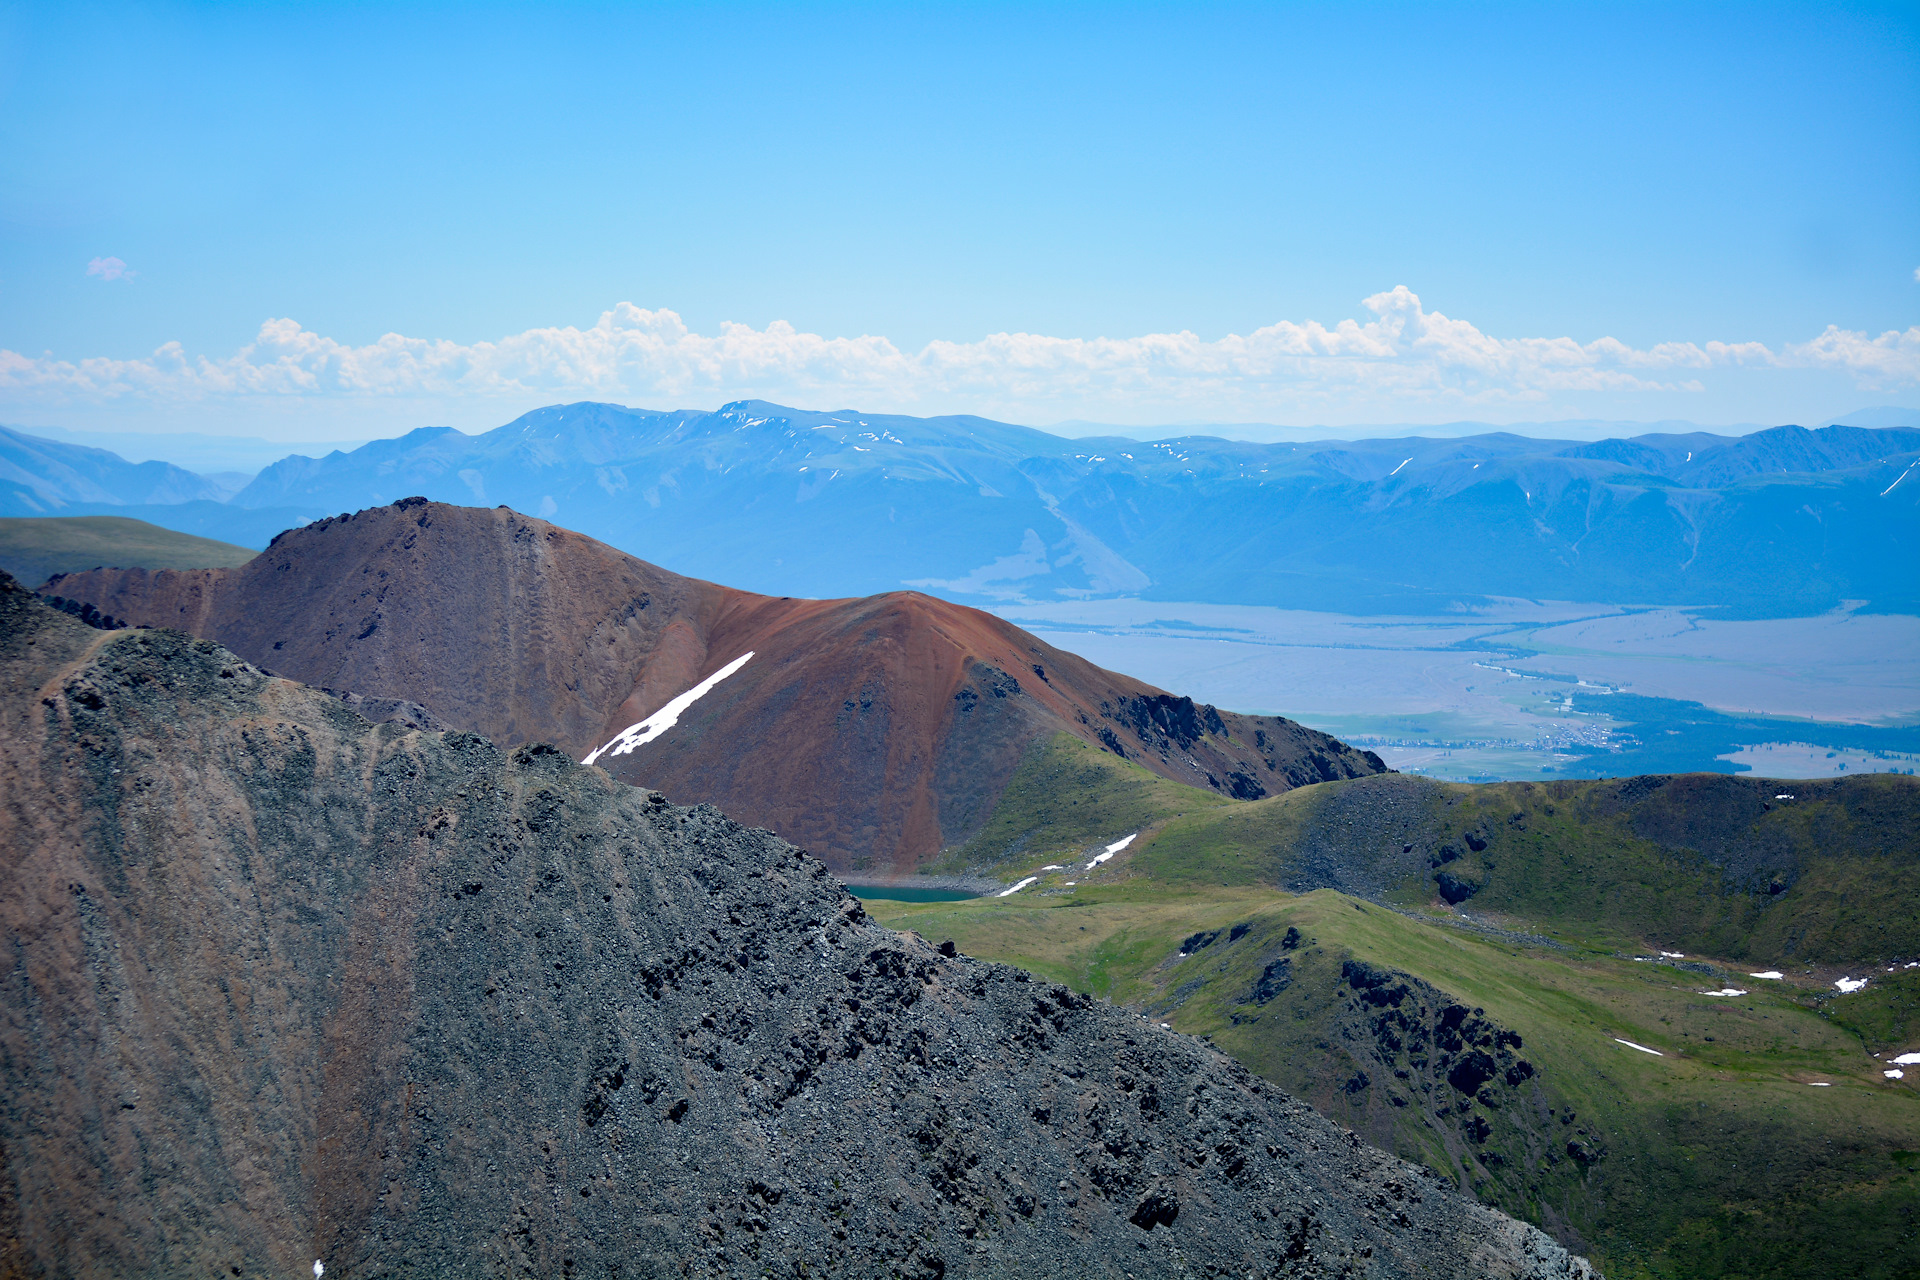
point(638, 735)
point(1110, 850)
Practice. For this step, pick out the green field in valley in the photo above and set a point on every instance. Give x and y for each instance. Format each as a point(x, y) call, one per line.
point(1494, 1036)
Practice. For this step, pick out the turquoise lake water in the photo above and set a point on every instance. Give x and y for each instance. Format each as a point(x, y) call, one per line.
point(905, 893)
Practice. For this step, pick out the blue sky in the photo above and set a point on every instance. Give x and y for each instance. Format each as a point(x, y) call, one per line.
point(491, 183)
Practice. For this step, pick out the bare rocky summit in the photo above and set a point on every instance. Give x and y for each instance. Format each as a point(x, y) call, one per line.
point(874, 732)
point(281, 984)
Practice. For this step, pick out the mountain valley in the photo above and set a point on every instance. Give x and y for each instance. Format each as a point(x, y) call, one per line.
point(1613, 1008)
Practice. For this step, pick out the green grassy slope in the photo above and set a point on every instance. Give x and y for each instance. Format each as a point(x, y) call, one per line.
point(1693, 862)
point(1718, 1158)
point(1482, 1037)
point(1068, 797)
point(33, 550)
point(1697, 862)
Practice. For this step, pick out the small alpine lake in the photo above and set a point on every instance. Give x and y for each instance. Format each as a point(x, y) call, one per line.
point(909, 893)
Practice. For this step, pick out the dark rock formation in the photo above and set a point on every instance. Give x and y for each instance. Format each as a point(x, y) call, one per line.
point(410, 715)
point(86, 613)
point(280, 985)
point(1464, 1071)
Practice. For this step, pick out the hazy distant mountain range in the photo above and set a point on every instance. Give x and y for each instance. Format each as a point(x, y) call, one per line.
point(790, 502)
point(1567, 429)
point(42, 477)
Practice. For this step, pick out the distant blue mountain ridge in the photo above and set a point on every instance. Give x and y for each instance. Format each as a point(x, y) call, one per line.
point(1782, 522)
point(42, 477)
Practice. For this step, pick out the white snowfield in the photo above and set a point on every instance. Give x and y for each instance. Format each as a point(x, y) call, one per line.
point(1642, 1048)
point(1771, 975)
point(1017, 887)
point(1892, 1073)
point(1821, 1084)
point(1674, 955)
point(1850, 984)
point(1110, 850)
point(1907, 1060)
point(1725, 991)
point(638, 735)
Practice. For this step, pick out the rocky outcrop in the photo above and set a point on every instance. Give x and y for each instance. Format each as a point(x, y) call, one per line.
point(874, 732)
point(283, 985)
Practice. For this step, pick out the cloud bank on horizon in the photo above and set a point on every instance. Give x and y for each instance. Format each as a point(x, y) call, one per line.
point(1402, 355)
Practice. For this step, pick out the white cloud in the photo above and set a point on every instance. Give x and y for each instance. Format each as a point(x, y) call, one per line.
point(1890, 360)
point(109, 269)
point(1401, 353)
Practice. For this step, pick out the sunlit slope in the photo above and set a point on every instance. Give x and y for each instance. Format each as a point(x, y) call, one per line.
point(1502, 1063)
point(1067, 796)
point(1485, 1036)
point(33, 550)
point(1752, 869)
point(1810, 872)
point(875, 733)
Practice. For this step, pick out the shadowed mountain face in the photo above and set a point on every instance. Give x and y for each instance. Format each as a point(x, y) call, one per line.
point(283, 985)
point(1781, 522)
point(874, 732)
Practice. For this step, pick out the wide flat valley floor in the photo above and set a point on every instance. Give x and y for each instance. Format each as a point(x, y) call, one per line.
point(1529, 690)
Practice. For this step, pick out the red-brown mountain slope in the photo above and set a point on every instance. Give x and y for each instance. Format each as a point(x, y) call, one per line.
point(875, 732)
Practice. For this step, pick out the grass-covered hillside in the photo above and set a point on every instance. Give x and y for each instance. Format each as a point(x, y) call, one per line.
point(1462, 973)
point(33, 550)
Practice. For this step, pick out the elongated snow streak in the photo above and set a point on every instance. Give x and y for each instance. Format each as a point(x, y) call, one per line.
point(1396, 471)
point(1110, 850)
point(1642, 1048)
point(1907, 1060)
point(1850, 984)
point(1902, 476)
point(1725, 991)
point(1820, 1084)
point(1771, 975)
point(639, 735)
point(1017, 887)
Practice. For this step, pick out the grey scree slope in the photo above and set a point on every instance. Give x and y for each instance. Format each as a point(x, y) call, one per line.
point(282, 985)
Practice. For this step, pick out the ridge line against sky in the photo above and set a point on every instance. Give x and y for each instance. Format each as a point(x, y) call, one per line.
point(1402, 359)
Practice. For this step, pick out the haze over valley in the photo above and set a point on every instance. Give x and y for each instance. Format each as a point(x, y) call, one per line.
point(963, 642)
point(1765, 576)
